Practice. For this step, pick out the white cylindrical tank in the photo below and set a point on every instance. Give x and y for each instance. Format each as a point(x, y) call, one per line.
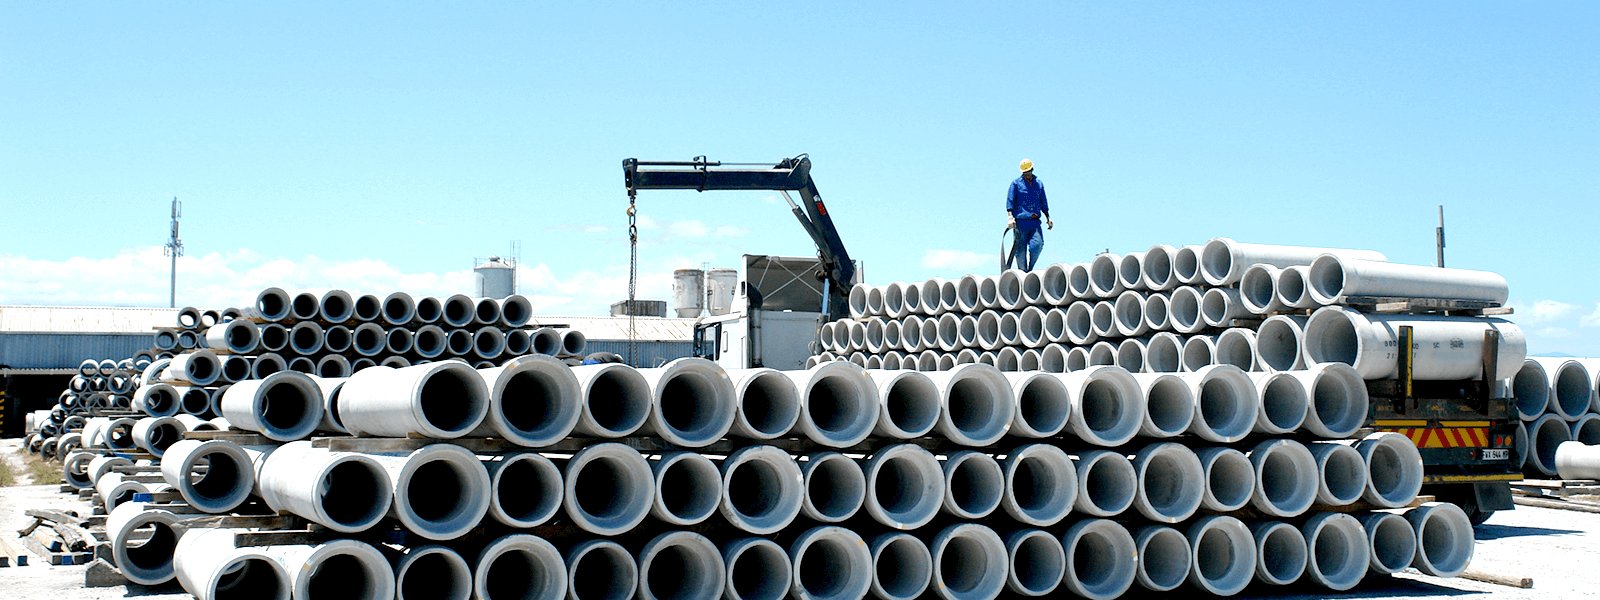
point(721, 285)
point(495, 278)
point(688, 292)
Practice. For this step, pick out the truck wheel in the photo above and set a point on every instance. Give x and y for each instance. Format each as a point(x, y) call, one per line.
point(1478, 517)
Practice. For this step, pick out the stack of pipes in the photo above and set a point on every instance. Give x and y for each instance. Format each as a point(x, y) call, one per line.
point(1558, 401)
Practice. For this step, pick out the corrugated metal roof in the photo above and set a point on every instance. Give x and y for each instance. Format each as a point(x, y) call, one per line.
point(665, 329)
point(65, 351)
point(85, 319)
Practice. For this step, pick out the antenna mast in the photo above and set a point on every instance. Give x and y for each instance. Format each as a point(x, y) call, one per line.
point(1439, 237)
point(174, 249)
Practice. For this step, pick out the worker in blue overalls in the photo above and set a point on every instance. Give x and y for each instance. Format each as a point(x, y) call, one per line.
point(1025, 203)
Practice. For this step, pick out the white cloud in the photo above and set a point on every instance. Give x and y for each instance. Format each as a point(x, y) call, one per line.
point(1546, 311)
point(955, 259)
point(1592, 319)
point(1553, 332)
point(596, 229)
point(689, 229)
point(727, 231)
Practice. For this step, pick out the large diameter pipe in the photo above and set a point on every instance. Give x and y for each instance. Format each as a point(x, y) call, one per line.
point(1577, 460)
point(1220, 306)
point(1225, 405)
point(1278, 343)
point(225, 482)
point(1223, 555)
point(1282, 402)
point(1157, 268)
point(1054, 284)
point(1041, 484)
point(75, 469)
point(1170, 482)
point(894, 300)
point(768, 404)
point(367, 308)
point(440, 491)
point(209, 566)
point(1394, 469)
point(340, 568)
point(1224, 261)
point(285, 406)
point(439, 400)
point(1444, 539)
point(1100, 559)
point(835, 487)
point(902, 567)
point(116, 488)
point(1334, 279)
point(1545, 436)
point(1456, 344)
point(1043, 404)
point(1169, 404)
point(196, 367)
point(1199, 351)
point(1338, 400)
point(533, 401)
point(909, 403)
point(157, 400)
point(1163, 353)
point(688, 488)
point(616, 400)
point(757, 569)
point(525, 489)
point(1163, 558)
point(1258, 290)
point(1009, 287)
point(1104, 281)
point(1338, 549)
point(343, 491)
point(1281, 552)
point(1107, 483)
point(458, 311)
point(830, 563)
point(306, 338)
point(1286, 478)
point(1341, 473)
point(1392, 541)
point(905, 486)
point(1107, 405)
point(609, 489)
point(601, 570)
point(1292, 288)
point(429, 572)
point(1037, 562)
point(839, 403)
point(974, 484)
point(1184, 310)
point(521, 566)
point(1572, 390)
point(692, 401)
point(1237, 346)
point(271, 305)
point(762, 489)
point(234, 337)
point(145, 558)
point(969, 562)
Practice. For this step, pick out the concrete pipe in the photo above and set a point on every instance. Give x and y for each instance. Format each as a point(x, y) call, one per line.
point(977, 402)
point(1571, 389)
point(949, 328)
point(1169, 404)
point(116, 488)
point(1545, 436)
point(928, 360)
point(441, 491)
point(533, 401)
point(333, 366)
point(1043, 404)
point(609, 489)
point(902, 567)
point(143, 542)
point(1278, 343)
point(573, 342)
point(75, 469)
point(1223, 555)
point(546, 341)
point(1104, 281)
point(488, 343)
point(856, 301)
point(841, 335)
point(366, 308)
point(428, 572)
point(1107, 483)
point(199, 367)
point(1366, 342)
point(1130, 354)
point(458, 311)
point(601, 570)
point(1032, 289)
point(1157, 313)
point(929, 330)
point(518, 342)
point(1531, 388)
point(1286, 478)
point(156, 434)
point(1394, 469)
point(1053, 359)
point(330, 388)
point(369, 339)
point(1199, 351)
point(1184, 312)
point(260, 366)
point(989, 292)
point(974, 484)
point(1041, 485)
point(945, 291)
point(118, 434)
point(969, 562)
point(1226, 403)
point(909, 403)
point(830, 563)
point(1282, 402)
point(274, 337)
point(440, 400)
point(1128, 314)
point(304, 365)
point(233, 337)
point(306, 338)
point(1080, 323)
point(967, 332)
point(343, 491)
point(305, 306)
point(486, 312)
point(768, 405)
point(1237, 346)
point(1163, 353)
point(839, 403)
point(1220, 306)
point(1577, 460)
point(337, 568)
point(1292, 288)
point(1170, 482)
point(1341, 473)
point(762, 489)
point(1338, 550)
point(1163, 558)
point(894, 300)
point(1258, 289)
point(150, 375)
point(911, 334)
point(158, 400)
point(336, 306)
point(189, 317)
point(1444, 539)
point(1100, 559)
point(688, 488)
point(1281, 552)
point(1009, 287)
point(1333, 279)
point(1036, 562)
point(1107, 405)
point(1006, 360)
point(891, 336)
point(67, 444)
point(1224, 261)
point(271, 305)
point(1054, 285)
point(835, 487)
point(1010, 329)
point(1078, 282)
point(911, 297)
point(521, 566)
point(1103, 319)
point(1338, 400)
point(209, 566)
point(756, 569)
point(1186, 264)
point(905, 486)
point(1391, 540)
point(1030, 327)
point(398, 309)
point(1030, 359)
point(213, 476)
point(1055, 325)
point(893, 360)
point(188, 339)
point(284, 406)
point(101, 466)
point(1101, 354)
point(525, 489)
point(399, 340)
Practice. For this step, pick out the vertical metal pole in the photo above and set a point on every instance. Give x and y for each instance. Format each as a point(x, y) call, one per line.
point(1439, 236)
point(174, 249)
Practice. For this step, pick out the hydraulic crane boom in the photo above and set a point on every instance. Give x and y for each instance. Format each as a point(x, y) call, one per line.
point(790, 174)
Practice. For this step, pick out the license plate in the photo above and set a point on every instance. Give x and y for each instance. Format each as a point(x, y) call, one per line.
point(1496, 454)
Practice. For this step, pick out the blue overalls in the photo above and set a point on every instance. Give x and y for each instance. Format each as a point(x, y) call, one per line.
point(1027, 203)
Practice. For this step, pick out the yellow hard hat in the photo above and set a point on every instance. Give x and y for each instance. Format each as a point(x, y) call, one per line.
point(1027, 165)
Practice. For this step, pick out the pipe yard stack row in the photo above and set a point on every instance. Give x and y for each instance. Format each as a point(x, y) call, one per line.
point(1558, 400)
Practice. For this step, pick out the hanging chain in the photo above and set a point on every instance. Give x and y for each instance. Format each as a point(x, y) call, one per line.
point(633, 277)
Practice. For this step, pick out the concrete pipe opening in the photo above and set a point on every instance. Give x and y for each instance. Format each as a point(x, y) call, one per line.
point(768, 403)
point(1103, 319)
point(285, 406)
point(1183, 310)
point(1199, 351)
point(337, 339)
point(973, 484)
point(894, 300)
point(515, 310)
point(758, 569)
point(1223, 555)
point(1100, 559)
point(1283, 402)
point(486, 312)
point(367, 308)
point(533, 401)
point(902, 567)
point(1078, 281)
point(1030, 360)
point(1338, 400)
point(1055, 325)
point(1278, 343)
point(75, 470)
point(688, 488)
point(1108, 406)
point(1230, 479)
point(1338, 550)
point(1394, 468)
point(1128, 312)
point(1186, 264)
point(1030, 327)
point(601, 570)
point(1157, 268)
point(525, 489)
point(1237, 347)
point(1043, 404)
point(546, 341)
point(234, 337)
point(1032, 288)
point(1225, 403)
point(1281, 552)
point(1392, 541)
point(1444, 539)
point(609, 489)
point(835, 487)
point(1054, 282)
point(1292, 289)
point(969, 561)
point(115, 489)
point(905, 486)
point(1053, 359)
point(988, 330)
point(520, 566)
point(400, 309)
point(306, 338)
point(272, 304)
point(336, 306)
point(1170, 482)
point(208, 566)
point(199, 367)
point(331, 387)
point(1571, 389)
point(762, 489)
point(159, 399)
point(1530, 387)
point(305, 306)
point(1080, 323)
point(488, 343)
point(430, 572)
point(911, 296)
point(143, 542)
point(213, 476)
point(399, 341)
point(1041, 484)
point(573, 342)
point(1341, 473)
point(830, 563)
point(440, 400)
point(1107, 483)
point(518, 342)
point(1286, 478)
point(458, 311)
point(1036, 562)
point(1169, 404)
point(1163, 558)
point(304, 365)
point(949, 329)
point(333, 366)
point(367, 339)
point(856, 300)
point(1103, 279)
point(338, 569)
point(441, 491)
point(989, 292)
point(341, 491)
point(1219, 306)
point(839, 403)
point(967, 332)
point(1258, 289)
point(1010, 289)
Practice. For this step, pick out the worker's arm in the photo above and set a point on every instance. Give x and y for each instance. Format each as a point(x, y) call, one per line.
point(1011, 204)
point(1044, 207)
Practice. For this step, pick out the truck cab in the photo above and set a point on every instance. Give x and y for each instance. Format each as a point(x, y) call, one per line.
point(773, 319)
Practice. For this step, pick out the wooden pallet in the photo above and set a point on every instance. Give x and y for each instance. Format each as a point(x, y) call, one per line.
point(1558, 488)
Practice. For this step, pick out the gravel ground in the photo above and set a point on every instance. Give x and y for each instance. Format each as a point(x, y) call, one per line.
point(1559, 549)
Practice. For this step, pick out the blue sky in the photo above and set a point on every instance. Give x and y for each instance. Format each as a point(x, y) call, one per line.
point(378, 146)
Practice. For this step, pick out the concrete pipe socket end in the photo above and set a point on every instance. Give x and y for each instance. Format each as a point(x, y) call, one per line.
point(601, 570)
point(1107, 483)
point(762, 489)
point(519, 566)
point(909, 403)
point(457, 311)
point(616, 400)
point(1392, 540)
point(1225, 403)
point(1281, 552)
point(1341, 473)
point(905, 486)
point(1530, 387)
point(428, 310)
point(1286, 478)
point(758, 569)
point(214, 476)
point(116, 488)
point(336, 569)
point(284, 406)
point(306, 338)
point(1108, 406)
point(525, 489)
point(488, 343)
point(1338, 549)
point(430, 572)
point(1230, 479)
point(974, 484)
point(345, 492)
point(1100, 559)
point(272, 305)
point(692, 402)
point(902, 567)
point(533, 401)
point(441, 491)
point(1041, 484)
point(1278, 343)
point(839, 403)
point(1223, 555)
point(147, 561)
point(233, 337)
point(681, 564)
point(1444, 539)
point(1171, 482)
point(768, 404)
point(835, 487)
point(609, 489)
point(1163, 558)
point(440, 400)
point(151, 434)
point(1037, 562)
point(1394, 469)
point(1169, 404)
point(1338, 400)
point(197, 367)
point(969, 561)
point(688, 488)
point(830, 563)
point(209, 566)
point(1282, 403)
point(1043, 405)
